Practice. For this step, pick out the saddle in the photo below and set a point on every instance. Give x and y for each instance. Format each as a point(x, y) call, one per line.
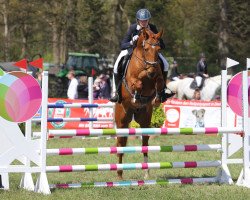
point(194, 85)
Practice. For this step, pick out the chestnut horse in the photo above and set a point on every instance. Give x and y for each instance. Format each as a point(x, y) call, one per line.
point(142, 82)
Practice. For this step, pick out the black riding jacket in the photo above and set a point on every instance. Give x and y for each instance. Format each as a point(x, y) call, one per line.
point(201, 68)
point(132, 31)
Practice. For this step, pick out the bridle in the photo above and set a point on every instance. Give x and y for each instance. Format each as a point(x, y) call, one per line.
point(143, 59)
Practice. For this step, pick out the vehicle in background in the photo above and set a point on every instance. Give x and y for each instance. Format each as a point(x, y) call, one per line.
point(84, 64)
point(81, 63)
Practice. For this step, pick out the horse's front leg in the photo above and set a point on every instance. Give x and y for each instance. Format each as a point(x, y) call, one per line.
point(145, 155)
point(121, 142)
point(160, 86)
point(122, 119)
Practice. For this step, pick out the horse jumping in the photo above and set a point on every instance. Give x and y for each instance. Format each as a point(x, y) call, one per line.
point(140, 88)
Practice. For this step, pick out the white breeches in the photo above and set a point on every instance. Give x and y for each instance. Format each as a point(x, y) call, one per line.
point(122, 54)
point(125, 52)
point(198, 80)
point(165, 62)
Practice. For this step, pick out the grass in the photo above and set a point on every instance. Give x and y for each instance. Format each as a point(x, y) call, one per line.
point(171, 191)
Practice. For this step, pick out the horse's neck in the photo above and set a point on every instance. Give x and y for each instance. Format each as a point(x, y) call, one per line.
point(135, 66)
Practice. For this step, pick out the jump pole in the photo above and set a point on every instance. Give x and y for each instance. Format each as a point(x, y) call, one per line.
point(244, 178)
point(42, 185)
point(224, 172)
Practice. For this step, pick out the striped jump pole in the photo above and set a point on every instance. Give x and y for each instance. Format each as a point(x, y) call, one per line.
point(132, 166)
point(136, 149)
point(142, 131)
point(79, 105)
point(136, 183)
point(92, 119)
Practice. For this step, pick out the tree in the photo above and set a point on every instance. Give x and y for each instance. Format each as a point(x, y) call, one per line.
point(6, 34)
point(223, 33)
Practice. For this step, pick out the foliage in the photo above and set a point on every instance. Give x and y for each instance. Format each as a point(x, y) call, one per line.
point(158, 118)
point(56, 27)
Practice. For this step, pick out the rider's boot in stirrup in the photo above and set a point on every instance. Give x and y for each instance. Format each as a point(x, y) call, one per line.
point(118, 80)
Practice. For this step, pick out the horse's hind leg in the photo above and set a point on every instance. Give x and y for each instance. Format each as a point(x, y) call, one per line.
point(121, 142)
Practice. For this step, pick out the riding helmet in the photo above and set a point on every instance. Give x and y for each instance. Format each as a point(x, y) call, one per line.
point(143, 14)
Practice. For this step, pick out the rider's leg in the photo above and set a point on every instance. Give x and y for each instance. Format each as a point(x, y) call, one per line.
point(118, 75)
point(198, 80)
point(202, 82)
point(168, 93)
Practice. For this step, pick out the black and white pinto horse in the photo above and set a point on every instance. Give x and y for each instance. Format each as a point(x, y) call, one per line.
point(208, 92)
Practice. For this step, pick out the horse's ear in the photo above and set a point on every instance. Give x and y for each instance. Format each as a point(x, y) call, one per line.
point(159, 35)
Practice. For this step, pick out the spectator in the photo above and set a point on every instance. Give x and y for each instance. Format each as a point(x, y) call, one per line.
point(175, 75)
point(105, 87)
point(201, 71)
point(82, 88)
point(73, 83)
point(39, 78)
point(96, 87)
point(197, 95)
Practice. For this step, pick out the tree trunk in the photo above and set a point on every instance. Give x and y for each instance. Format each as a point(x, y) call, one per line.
point(24, 42)
point(56, 44)
point(6, 31)
point(71, 29)
point(118, 24)
point(223, 34)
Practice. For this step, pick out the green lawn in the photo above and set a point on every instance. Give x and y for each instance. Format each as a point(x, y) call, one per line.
point(171, 191)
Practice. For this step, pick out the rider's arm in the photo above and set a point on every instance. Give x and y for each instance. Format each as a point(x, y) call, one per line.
point(125, 43)
point(205, 69)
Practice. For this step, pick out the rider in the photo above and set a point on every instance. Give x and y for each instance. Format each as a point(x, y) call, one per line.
point(201, 71)
point(127, 44)
point(175, 75)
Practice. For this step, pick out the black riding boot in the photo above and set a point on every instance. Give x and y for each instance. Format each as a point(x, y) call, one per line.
point(202, 83)
point(118, 80)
